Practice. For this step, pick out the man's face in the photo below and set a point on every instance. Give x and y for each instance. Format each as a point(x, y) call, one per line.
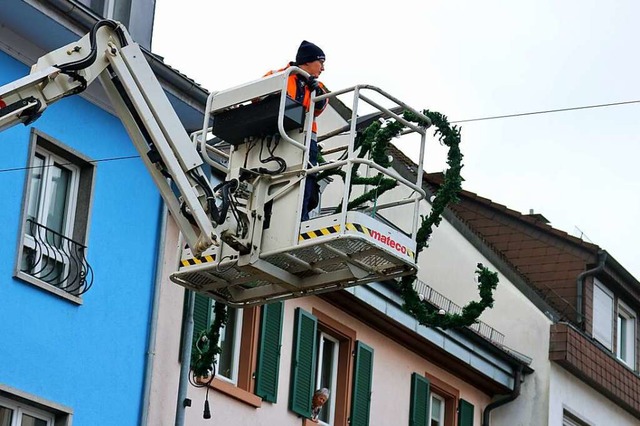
point(314, 68)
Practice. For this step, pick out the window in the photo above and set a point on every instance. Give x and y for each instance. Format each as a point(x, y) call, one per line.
point(603, 314)
point(52, 192)
point(56, 212)
point(204, 315)
point(436, 410)
point(624, 320)
point(326, 354)
point(15, 414)
point(327, 374)
point(20, 409)
point(118, 10)
point(241, 356)
point(626, 332)
point(433, 403)
point(570, 419)
point(230, 345)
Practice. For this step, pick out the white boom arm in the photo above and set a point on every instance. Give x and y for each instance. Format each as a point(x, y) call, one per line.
point(109, 53)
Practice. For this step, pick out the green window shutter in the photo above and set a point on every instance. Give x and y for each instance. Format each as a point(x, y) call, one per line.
point(465, 413)
point(303, 363)
point(419, 407)
point(362, 380)
point(201, 314)
point(269, 351)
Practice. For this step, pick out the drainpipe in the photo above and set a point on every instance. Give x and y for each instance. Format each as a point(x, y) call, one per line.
point(602, 258)
point(155, 305)
point(517, 378)
point(185, 355)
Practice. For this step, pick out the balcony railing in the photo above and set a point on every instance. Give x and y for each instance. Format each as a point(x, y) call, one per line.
point(55, 259)
point(441, 302)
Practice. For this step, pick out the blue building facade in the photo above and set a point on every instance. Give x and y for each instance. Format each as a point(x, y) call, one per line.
point(80, 230)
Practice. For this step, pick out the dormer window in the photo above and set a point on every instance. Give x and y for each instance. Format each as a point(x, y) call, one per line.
point(611, 314)
point(626, 333)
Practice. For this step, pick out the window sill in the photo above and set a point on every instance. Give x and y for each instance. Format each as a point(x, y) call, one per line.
point(234, 392)
point(624, 363)
point(48, 287)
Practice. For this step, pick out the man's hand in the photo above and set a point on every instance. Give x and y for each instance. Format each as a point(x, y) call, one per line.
point(313, 83)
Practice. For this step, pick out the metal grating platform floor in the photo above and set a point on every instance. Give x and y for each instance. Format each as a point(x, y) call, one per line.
point(329, 264)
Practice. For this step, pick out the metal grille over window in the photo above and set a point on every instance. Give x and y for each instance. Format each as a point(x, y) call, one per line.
point(57, 260)
point(57, 199)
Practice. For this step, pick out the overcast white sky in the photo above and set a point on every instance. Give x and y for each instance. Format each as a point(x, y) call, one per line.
point(466, 59)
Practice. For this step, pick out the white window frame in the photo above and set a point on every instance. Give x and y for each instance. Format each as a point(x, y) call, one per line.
point(600, 323)
point(109, 10)
point(78, 206)
point(20, 408)
point(109, 7)
point(239, 313)
point(627, 314)
point(334, 373)
point(569, 418)
point(443, 406)
point(44, 201)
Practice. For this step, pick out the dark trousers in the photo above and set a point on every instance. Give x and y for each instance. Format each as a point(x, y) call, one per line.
point(311, 189)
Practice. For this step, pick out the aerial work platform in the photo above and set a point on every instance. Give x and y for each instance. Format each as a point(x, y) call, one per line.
point(328, 256)
point(245, 242)
point(266, 253)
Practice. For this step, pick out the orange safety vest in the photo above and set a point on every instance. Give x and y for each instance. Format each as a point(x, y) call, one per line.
point(298, 90)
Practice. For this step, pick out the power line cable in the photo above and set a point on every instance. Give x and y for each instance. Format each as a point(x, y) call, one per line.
point(495, 117)
point(102, 160)
point(548, 111)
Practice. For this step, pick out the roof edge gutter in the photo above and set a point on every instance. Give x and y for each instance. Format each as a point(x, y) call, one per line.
point(85, 18)
point(602, 258)
point(486, 414)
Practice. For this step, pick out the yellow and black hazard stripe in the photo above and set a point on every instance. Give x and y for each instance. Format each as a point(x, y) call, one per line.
point(332, 230)
point(199, 260)
point(319, 233)
point(359, 228)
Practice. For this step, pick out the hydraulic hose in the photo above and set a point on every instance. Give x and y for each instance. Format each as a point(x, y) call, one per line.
point(91, 57)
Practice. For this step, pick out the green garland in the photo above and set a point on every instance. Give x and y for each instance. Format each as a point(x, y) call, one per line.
point(375, 140)
point(447, 193)
point(429, 316)
point(205, 348)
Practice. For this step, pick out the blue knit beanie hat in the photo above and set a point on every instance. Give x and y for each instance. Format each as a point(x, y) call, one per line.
point(308, 52)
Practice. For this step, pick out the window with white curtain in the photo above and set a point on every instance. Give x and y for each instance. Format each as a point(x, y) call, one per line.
point(57, 199)
point(230, 345)
point(327, 373)
point(626, 335)
point(53, 188)
point(436, 410)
